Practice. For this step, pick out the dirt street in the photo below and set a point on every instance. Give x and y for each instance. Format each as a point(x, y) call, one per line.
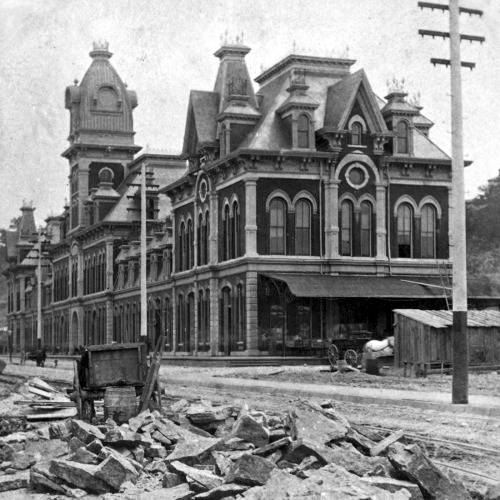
point(481, 432)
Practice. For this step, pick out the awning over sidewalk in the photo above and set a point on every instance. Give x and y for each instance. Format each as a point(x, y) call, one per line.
point(324, 286)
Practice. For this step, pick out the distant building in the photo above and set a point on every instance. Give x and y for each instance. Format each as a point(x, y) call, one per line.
point(309, 209)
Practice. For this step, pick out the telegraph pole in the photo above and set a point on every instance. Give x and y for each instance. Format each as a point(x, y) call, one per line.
point(460, 341)
point(144, 303)
point(39, 293)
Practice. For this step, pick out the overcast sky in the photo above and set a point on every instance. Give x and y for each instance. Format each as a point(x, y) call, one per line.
point(164, 48)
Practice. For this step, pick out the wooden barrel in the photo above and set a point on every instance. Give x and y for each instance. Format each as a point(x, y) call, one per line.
point(120, 404)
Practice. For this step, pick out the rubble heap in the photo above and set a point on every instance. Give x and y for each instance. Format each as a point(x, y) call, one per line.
point(200, 451)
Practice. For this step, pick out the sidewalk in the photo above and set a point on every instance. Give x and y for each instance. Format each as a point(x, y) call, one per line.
point(487, 406)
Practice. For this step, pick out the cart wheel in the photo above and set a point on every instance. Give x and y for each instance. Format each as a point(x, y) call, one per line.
point(333, 355)
point(88, 411)
point(351, 358)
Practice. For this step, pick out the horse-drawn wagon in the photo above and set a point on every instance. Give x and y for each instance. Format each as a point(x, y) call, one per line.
point(349, 348)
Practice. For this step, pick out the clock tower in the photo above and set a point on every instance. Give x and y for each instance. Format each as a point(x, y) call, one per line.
point(101, 132)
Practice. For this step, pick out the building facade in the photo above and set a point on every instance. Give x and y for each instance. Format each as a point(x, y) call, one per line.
point(298, 213)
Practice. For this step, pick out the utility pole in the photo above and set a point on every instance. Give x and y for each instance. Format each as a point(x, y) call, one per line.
point(144, 303)
point(460, 341)
point(39, 293)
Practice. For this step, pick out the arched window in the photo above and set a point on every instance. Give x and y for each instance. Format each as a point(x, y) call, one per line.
point(356, 134)
point(428, 232)
point(303, 125)
point(190, 245)
point(402, 138)
point(182, 252)
point(346, 223)
point(200, 235)
point(206, 231)
point(405, 231)
point(201, 321)
point(236, 230)
point(303, 228)
point(226, 235)
point(167, 324)
point(189, 323)
point(181, 328)
point(366, 229)
point(240, 315)
point(277, 218)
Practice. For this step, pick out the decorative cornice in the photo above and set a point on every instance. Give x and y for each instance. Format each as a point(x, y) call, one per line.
point(326, 62)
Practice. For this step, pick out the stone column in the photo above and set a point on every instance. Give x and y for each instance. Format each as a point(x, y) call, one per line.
point(173, 268)
point(109, 265)
point(214, 317)
point(195, 235)
point(22, 333)
point(174, 320)
point(214, 229)
point(83, 191)
point(196, 325)
point(109, 320)
point(252, 317)
point(332, 219)
point(71, 259)
point(251, 217)
point(80, 283)
point(381, 222)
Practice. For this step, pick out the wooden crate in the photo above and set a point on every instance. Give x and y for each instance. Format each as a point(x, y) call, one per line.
point(115, 365)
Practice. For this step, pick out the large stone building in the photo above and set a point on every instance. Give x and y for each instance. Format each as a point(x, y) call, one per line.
point(295, 214)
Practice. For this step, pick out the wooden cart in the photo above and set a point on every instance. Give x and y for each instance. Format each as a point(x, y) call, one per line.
point(350, 348)
point(102, 366)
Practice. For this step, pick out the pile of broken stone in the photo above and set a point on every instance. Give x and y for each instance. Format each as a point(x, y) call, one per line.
point(200, 451)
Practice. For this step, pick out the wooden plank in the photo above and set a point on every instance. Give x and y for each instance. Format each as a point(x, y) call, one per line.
point(77, 390)
point(53, 415)
point(153, 373)
point(39, 392)
point(385, 443)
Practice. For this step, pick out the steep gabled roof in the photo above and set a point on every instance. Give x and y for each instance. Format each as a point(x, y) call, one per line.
point(201, 122)
point(341, 98)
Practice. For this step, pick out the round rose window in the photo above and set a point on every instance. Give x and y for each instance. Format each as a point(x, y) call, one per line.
point(357, 175)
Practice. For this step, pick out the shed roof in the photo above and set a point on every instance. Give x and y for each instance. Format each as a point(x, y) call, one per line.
point(444, 319)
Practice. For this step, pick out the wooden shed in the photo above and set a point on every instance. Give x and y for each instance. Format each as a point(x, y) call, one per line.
point(422, 339)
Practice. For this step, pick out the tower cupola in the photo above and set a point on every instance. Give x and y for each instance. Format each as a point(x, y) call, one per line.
point(101, 131)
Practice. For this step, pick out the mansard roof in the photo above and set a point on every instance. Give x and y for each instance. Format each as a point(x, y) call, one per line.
point(423, 147)
point(329, 92)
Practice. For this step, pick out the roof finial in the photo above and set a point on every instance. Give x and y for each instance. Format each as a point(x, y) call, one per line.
point(396, 85)
point(100, 49)
point(75, 81)
point(101, 45)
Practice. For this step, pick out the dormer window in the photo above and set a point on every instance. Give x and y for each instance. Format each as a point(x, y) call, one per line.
point(356, 134)
point(303, 126)
point(402, 138)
